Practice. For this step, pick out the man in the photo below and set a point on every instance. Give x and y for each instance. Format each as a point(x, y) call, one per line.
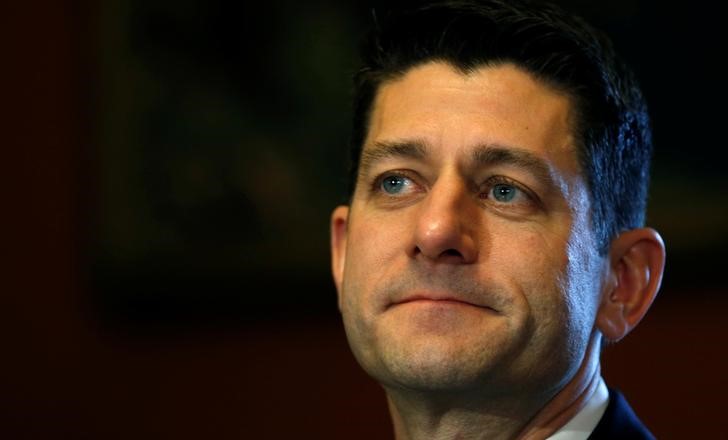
point(494, 239)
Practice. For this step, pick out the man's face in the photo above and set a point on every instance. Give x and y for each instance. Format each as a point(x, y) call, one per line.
point(466, 259)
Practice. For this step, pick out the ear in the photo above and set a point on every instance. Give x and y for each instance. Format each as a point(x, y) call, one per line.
point(637, 260)
point(339, 223)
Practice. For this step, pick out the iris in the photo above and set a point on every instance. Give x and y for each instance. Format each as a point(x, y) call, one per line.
point(394, 184)
point(504, 193)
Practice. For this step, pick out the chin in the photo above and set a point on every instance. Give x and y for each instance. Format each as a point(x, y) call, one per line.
point(431, 370)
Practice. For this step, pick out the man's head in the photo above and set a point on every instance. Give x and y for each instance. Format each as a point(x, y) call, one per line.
point(492, 235)
point(610, 123)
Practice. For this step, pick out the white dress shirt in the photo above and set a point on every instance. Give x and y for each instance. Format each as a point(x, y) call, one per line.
point(583, 423)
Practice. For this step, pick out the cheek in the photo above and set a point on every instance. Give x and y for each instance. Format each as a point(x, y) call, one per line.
point(564, 294)
point(583, 275)
point(376, 250)
point(536, 258)
point(373, 242)
point(538, 276)
point(557, 299)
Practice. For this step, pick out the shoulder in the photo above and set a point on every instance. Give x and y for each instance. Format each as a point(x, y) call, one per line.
point(619, 421)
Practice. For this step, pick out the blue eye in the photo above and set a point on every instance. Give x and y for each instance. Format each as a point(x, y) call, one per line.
point(395, 184)
point(504, 193)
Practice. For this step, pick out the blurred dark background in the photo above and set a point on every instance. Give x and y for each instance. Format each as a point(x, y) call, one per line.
point(172, 166)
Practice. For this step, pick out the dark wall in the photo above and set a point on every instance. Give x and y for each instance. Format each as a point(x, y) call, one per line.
point(165, 159)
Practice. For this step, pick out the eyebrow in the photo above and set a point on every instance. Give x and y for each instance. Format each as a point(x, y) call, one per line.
point(496, 154)
point(382, 150)
point(483, 155)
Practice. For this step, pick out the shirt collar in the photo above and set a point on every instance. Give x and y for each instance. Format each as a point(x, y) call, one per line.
point(583, 423)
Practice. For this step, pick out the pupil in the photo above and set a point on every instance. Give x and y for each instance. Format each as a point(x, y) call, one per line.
point(393, 184)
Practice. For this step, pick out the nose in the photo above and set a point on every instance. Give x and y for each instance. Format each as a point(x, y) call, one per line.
point(446, 225)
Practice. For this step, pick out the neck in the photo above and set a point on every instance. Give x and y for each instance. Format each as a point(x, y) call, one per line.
point(422, 416)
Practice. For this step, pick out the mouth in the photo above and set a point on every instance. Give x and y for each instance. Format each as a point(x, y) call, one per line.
point(444, 300)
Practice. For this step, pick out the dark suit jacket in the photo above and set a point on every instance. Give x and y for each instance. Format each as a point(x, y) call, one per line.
point(620, 422)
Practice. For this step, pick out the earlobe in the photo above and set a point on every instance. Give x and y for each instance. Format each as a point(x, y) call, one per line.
point(339, 225)
point(637, 260)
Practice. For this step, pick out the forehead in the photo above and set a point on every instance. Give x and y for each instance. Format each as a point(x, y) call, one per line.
point(453, 111)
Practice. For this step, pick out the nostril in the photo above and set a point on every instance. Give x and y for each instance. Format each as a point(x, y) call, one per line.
point(448, 256)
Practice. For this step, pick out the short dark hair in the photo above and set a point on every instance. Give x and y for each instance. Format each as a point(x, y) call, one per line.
point(612, 127)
